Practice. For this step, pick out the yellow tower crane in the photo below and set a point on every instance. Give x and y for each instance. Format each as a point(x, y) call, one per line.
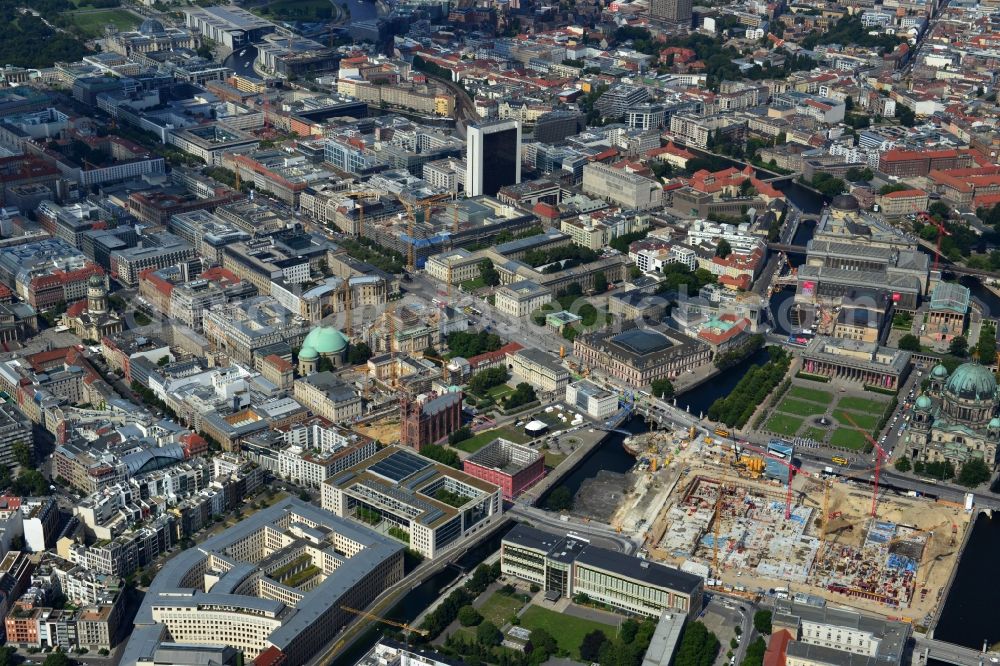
point(384, 620)
point(348, 299)
point(358, 200)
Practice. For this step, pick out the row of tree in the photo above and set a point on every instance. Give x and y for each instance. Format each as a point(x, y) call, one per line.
point(736, 408)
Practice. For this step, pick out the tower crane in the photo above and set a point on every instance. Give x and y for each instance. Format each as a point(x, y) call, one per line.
point(792, 471)
point(357, 197)
point(384, 620)
point(424, 205)
point(942, 232)
point(879, 455)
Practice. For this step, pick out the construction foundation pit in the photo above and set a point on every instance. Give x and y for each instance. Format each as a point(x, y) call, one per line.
point(897, 563)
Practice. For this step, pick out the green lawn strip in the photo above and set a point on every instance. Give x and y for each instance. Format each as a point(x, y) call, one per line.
point(810, 394)
point(800, 407)
point(553, 459)
point(814, 433)
point(566, 629)
point(863, 405)
point(848, 438)
point(864, 420)
point(784, 424)
point(500, 609)
point(480, 440)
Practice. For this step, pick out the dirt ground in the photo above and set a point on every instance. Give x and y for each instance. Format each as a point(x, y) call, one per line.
point(385, 432)
point(935, 538)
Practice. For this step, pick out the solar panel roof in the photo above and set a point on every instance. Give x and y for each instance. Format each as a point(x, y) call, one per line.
point(399, 465)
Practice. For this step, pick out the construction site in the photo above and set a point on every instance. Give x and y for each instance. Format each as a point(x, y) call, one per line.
point(758, 526)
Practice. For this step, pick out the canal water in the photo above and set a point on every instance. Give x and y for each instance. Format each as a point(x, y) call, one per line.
point(701, 397)
point(967, 618)
point(421, 597)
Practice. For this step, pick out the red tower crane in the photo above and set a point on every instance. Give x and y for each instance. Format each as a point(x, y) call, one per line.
point(879, 455)
point(942, 232)
point(792, 471)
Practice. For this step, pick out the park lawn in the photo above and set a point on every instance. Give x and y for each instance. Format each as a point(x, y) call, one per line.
point(863, 405)
point(500, 608)
point(552, 460)
point(810, 394)
point(501, 391)
point(481, 439)
point(473, 284)
point(864, 421)
point(849, 438)
point(784, 424)
point(800, 407)
point(91, 24)
point(814, 433)
point(566, 629)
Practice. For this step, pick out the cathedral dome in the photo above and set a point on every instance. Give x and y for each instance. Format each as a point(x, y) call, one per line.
point(325, 340)
point(924, 403)
point(971, 381)
point(96, 281)
point(939, 371)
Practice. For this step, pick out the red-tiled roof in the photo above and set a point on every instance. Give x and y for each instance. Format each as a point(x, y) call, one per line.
point(905, 194)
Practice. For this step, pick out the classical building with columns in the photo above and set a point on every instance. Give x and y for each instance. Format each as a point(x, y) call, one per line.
point(865, 363)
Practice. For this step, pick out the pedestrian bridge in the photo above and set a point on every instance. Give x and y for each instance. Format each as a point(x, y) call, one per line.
point(949, 653)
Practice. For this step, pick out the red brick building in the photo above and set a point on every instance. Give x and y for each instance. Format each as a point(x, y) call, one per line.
point(429, 421)
point(907, 163)
point(513, 467)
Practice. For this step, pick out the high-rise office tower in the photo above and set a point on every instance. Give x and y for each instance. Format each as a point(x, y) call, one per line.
point(677, 12)
point(493, 157)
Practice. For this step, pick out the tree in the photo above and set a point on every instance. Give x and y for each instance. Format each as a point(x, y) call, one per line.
point(906, 116)
point(523, 394)
point(590, 647)
point(488, 634)
point(163, 360)
point(909, 342)
point(958, 346)
point(973, 473)
point(560, 499)
point(22, 453)
point(762, 621)
point(663, 389)
point(543, 643)
point(469, 616)
point(755, 653)
point(855, 174)
point(459, 435)
point(488, 273)
point(723, 249)
point(903, 465)
point(57, 659)
point(358, 353)
point(939, 210)
point(600, 282)
point(441, 455)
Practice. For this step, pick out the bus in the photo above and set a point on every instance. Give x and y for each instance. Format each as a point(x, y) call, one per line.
point(721, 432)
point(840, 460)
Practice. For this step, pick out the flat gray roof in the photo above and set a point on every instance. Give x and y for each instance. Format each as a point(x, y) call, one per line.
point(167, 587)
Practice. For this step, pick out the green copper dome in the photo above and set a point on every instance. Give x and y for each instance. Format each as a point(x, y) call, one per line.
point(971, 381)
point(307, 352)
point(939, 371)
point(995, 422)
point(923, 403)
point(325, 340)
